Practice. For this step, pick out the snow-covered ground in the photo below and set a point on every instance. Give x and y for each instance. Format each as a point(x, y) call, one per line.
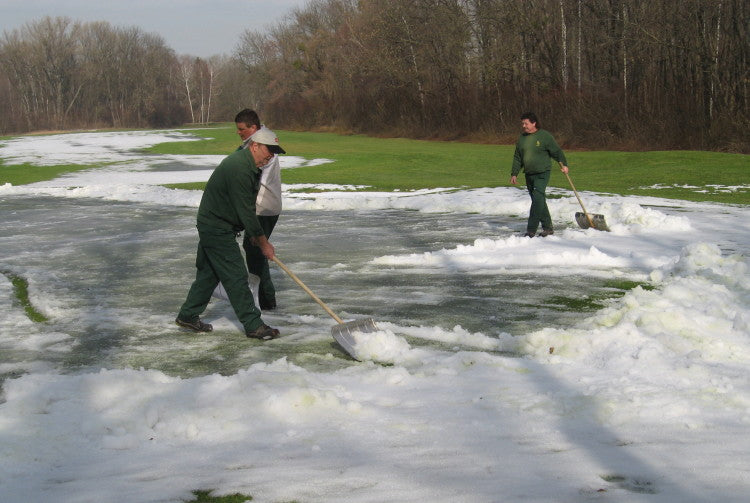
point(505, 369)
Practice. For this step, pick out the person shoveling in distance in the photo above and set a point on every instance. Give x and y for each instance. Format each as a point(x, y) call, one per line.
point(534, 150)
point(227, 208)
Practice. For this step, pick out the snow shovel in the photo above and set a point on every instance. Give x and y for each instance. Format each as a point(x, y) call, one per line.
point(585, 219)
point(344, 330)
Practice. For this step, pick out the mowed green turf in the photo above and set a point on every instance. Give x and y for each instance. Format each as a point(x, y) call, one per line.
point(21, 174)
point(401, 164)
point(381, 164)
point(386, 164)
point(683, 174)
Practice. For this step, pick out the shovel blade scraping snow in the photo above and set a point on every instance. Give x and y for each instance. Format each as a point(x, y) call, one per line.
point(597, 221)
point(343, 333)
point(586, 219)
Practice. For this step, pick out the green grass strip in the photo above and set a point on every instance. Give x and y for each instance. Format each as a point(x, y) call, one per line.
point(22, 174)
point(390, 164)
point(588, 303)
point(21, 292)
point(205, 497)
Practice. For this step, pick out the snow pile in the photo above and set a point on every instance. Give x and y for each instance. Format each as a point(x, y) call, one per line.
point(617, 406)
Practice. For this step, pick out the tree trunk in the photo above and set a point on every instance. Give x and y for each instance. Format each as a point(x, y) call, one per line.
point(715, 76)
point(624, 60)
point(564, 36)
point(415, 67)
point(580, 45)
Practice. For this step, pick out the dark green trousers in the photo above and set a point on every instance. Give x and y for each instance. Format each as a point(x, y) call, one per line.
point(258, 264)
point(219, 259)
point(536, 184)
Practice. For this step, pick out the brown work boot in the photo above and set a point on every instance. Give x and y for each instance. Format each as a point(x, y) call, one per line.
point(263, 332)
point(196, 325)
point(546, 232)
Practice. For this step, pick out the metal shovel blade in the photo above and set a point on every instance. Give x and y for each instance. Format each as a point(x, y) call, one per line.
point(597, 220)
point(585, 219)
point(344, 333)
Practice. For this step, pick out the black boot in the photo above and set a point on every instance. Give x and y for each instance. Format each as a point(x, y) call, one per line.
point(196, 325)
point(263, 332)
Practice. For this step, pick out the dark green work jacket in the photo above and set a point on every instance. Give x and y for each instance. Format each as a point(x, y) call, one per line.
point(228, 202)
point(534, 151)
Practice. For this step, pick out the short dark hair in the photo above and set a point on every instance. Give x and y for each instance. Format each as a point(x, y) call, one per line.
point(531, 116)
point(248, 117)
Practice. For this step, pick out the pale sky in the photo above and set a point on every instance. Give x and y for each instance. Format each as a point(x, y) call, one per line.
point(196, 27)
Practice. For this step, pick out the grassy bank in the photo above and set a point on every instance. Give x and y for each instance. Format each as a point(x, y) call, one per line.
point(399, 164)
point(21, 293)
point(396, 163)
point(22, 174)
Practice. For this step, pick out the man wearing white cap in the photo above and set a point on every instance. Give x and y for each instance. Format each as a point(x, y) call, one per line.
point(227, 208)
point(268, 208)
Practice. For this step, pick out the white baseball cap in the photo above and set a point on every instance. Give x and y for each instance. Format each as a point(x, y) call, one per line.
point(268, 138)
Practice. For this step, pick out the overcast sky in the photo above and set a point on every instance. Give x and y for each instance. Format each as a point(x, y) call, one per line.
point(197, 27)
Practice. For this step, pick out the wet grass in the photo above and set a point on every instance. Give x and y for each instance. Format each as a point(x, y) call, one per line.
point(639, 486)
point(21, 292)
point(401, 164)
point(624, 284)
point(381, 164)
point(387, 164)
point(22, 174)
point(589, 303)
point(578, 304)
point(206, 497)
point(680, 174)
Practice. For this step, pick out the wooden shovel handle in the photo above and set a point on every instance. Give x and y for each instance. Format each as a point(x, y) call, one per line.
point(309, 292)
point(588, 217)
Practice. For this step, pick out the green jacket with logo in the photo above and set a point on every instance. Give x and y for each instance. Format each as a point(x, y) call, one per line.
point(534, 152)
point(228, 202)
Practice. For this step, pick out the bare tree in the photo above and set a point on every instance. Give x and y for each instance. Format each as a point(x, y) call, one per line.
point(67, 73)
point(564, 39)
point(186, 72)
point(40, 61)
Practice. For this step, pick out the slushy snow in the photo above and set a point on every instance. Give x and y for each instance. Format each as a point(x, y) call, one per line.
point(645, 399)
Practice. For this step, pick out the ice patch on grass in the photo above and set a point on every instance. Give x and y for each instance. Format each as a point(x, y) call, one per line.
point(82, 148)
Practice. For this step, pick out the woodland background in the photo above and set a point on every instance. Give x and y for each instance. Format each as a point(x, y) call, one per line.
point(618, 74)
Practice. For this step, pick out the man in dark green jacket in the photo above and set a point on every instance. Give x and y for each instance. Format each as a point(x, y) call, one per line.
point(534, 150)
point(227, 208)
point(267, 208)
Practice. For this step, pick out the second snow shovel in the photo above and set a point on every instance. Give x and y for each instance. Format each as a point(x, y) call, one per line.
point(586, 219)
point(344, 330)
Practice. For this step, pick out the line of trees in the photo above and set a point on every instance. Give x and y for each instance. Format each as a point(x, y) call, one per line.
point(58, 74)
point(599, 73)
point(628, 73)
